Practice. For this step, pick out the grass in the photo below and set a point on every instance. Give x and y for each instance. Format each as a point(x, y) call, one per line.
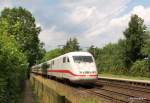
point(123, 76)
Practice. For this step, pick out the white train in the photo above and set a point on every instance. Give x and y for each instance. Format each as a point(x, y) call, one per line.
point(78, 67)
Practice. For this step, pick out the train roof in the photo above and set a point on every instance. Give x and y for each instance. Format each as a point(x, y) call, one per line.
point(78, 53)
point(75, 53)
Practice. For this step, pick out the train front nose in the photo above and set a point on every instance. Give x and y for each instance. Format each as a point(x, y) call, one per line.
point(85, 78)
point(87, 69)
point(87, 73)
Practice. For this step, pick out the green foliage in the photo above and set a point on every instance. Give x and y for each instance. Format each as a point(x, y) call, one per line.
point(94, 51)
point(130, 56)
point(134, 35)
point(19, 43)
point(146, 46)
point(71, 45)
point(13, 65)
point(21, 25)
point(140, 68)
point(146, 49)
point(110, 59)
point(51, 54)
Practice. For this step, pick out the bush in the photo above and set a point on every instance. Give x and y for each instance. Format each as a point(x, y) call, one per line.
point(110, 60)
point(13, 66)
point(140, 68)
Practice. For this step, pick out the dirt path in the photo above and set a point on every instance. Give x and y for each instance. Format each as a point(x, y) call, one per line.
point(28, 95)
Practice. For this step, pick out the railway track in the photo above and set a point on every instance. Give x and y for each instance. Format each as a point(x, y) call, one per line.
point(116, 97)
point(114, 91)
point(120, 91)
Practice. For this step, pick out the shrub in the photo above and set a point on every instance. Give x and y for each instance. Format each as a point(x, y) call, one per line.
point(13, 66)
point(140, 68)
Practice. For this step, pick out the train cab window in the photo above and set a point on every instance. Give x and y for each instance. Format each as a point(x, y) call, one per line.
point(79, 59)
point(64, 59)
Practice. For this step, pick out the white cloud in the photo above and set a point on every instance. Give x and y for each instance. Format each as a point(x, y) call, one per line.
point(143, 12)
point(52, 38)
point(5, 4)
point(96, 22)
point(112, 30)
point(122, 21)
point(82, 19)
point(81, 14)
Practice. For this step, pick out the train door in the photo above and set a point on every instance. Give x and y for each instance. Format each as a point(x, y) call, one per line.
point(66, 67)
point(49, 69)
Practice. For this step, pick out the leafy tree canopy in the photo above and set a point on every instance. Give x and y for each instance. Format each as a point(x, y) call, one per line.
point(21, 24)
point(13, 65)
point(146, 47)
point(94, 51)
point(51, 54)
point(134, 35)
point(71, 45)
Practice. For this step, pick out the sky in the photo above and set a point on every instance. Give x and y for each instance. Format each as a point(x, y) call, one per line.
point(92, 22)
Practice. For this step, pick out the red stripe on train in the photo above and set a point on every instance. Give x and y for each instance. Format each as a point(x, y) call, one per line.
point(69, 72)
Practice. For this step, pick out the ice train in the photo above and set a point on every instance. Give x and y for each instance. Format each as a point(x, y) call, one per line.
point(78, 67)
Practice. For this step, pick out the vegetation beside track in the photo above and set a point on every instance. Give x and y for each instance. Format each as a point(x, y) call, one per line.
point(13, 65)
point(130, 56)
point(19, 49)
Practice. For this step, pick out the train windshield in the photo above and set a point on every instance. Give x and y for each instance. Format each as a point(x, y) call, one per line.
point(79, 59)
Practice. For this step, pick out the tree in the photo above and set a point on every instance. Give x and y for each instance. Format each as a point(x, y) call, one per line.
point(134, 35)
point(94, 51)
point(23, 27)
point(13, 65)
point(71, 45)
point(146, 50)
point(51, 54)
point(146, 46)
point(110, 58)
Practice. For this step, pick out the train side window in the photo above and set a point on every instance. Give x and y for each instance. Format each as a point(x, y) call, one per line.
point(68, 60)
point(64, 59)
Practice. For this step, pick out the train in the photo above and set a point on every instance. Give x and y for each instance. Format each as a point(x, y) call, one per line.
point(77, 67)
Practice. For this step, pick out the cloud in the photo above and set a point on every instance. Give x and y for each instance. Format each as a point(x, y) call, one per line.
point(121, 22)
point(4, 4)
point(52, 38)
point(81, 19)
point(111, 30)
point(81, 14)
point(93, 22)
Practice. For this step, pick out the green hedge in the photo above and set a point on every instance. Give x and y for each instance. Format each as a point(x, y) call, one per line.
point(13, 65)
point(140, 68)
